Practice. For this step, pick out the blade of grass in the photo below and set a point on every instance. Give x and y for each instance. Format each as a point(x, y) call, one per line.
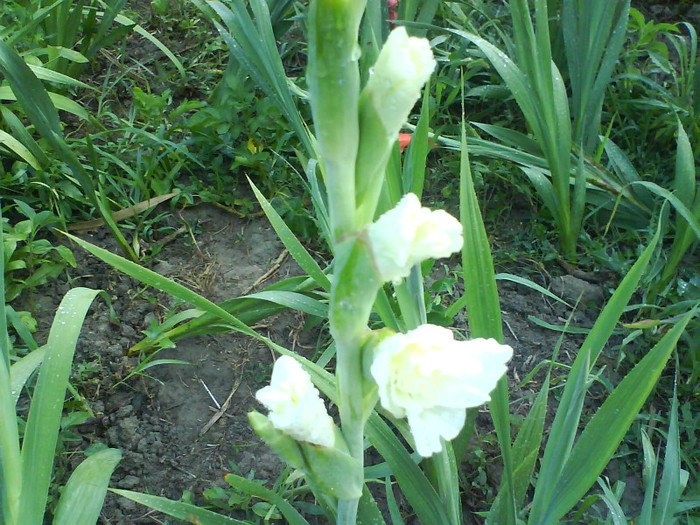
point(415, 486)
point(594, 33)
point(251, 487)
point(252, 44)
point(525, 454)
point(368, 512)
point(611, 501)
point(10, 458)
point(650, 468)
point(121, 19)
point(296, 250)
point(21, 371)
point(670, 485)
point(179, 509)
point(38, 107)
point(417, 153)
point(448, 483)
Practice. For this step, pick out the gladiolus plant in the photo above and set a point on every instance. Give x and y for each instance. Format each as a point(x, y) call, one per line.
point(424, 375)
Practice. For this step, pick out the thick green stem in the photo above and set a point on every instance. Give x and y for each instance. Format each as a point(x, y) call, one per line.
point(334, 85)
point(347, 511)
point(355, 286)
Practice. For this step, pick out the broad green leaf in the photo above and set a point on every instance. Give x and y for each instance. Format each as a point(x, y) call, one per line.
point(58, 101)
point(293, 300)
point(41, 434)
point(166, 285)
point(21, 133)
point(18, 149)
point(50, 75)
point(83, 496)
point(69, 54)
point(368, 512)
point(179, 510)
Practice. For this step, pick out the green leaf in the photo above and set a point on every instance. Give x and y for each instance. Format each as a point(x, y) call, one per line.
point(367, 512)
point(293, 300)
point(605, 430)
point(670, 485)
point(11, 463)
point(41, 434)
point(252, 43)
point(415, 486)
point(40, 108)
point(525, 454)
point(121, 19)
point(18, 149)
point(256, 489)
point(179, 510)
point(83, 496)
point(565, 425)
point(448, 482)
point(483, 307)
point(297, 251)
point(611, 501)
point(21, 370)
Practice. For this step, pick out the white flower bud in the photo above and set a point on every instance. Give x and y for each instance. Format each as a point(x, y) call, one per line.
point(430, 379)
point(409, 234)
point(402, 69)
point(295, 405)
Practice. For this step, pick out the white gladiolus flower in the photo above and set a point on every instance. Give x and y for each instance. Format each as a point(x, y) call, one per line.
point(430, 379)
point(402, 69)
point(409, 234)
point(295, 405)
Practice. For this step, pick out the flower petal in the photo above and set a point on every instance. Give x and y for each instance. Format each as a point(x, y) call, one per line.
point(295, 405)
point(428, 426)
point(430, 378)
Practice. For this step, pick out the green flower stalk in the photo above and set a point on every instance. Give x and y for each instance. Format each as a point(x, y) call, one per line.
point(334, 85)
point(355, 135)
